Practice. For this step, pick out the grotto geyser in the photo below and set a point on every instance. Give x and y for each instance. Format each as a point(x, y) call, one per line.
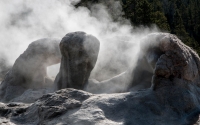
point(170, 95)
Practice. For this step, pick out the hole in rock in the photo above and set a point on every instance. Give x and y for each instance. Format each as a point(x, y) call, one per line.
point(53, 70)
point(143, 72)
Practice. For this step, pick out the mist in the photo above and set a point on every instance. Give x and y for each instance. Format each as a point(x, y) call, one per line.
point(24, 21)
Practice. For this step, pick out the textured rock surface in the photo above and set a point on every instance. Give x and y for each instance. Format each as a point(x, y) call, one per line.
point(76, 107)
point(164, 60)
point(29, 70)
point(79, 55)
point(46, 109)
point(172, 99)
point(31, 95)
point(10, 110)
point(174, 63)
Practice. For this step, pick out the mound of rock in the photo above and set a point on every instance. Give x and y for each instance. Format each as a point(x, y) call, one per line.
point(29, 70)
point(162, 57)
point(76, 107)
point(79, 55)
point(171, 99)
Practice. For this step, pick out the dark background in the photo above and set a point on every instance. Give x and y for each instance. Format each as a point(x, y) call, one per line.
point(180, 17)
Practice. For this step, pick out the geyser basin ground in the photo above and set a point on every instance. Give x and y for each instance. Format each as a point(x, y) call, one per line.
point(172, 99)
point(76, 107)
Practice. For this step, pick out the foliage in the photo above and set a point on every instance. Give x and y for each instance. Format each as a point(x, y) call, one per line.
point(180, 17)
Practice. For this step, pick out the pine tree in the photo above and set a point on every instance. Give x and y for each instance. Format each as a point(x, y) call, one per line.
point(161, 21)
point(180, 17)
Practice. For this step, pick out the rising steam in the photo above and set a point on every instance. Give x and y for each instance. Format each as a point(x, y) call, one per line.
point(24, 21)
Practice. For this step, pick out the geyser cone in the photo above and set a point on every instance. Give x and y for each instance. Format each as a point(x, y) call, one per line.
point(79, 54)
point(174, 63)
point(29, 69)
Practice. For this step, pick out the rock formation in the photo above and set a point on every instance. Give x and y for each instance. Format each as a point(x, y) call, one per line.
point(163, 56)
point(76, 107)
point(79, 55)
point(171, 99)
point(29, 70)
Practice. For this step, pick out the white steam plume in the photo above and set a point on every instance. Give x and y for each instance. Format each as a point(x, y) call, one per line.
point(23, 21)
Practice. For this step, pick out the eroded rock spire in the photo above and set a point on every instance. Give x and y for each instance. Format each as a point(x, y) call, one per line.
point(79, 55)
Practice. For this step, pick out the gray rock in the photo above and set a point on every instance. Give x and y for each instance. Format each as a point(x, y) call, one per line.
point(79, 55)
point(29, 70)
point(76, 107)
point(172, 99)
point(31, 95)
point(52, 106)
point(163, 57)
point(12, 109)
point(178, 65)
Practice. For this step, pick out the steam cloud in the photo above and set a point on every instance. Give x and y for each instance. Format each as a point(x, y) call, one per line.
point(24, 21)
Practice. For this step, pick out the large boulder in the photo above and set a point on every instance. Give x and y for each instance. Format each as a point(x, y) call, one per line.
point(79, 55)
point(29, 69)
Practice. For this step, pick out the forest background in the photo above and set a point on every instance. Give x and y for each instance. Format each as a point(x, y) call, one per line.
point(179, 17)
